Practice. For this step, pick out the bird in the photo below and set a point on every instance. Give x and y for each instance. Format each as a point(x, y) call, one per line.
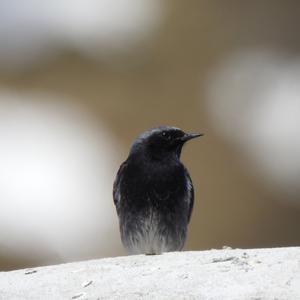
point(153, 193)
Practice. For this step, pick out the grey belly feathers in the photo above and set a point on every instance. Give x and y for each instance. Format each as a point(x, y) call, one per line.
point(148, 234)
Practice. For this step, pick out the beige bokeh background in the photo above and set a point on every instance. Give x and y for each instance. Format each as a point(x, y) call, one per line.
point(163, 80)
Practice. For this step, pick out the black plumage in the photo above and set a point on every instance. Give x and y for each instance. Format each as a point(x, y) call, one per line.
point(153, 193)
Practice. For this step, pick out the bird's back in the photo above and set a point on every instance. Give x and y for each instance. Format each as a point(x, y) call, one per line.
point(154, 203)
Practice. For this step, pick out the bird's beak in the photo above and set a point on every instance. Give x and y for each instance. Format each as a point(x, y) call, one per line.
point(189, 136)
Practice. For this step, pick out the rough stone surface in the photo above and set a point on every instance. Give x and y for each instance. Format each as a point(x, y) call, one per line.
point(257, 274)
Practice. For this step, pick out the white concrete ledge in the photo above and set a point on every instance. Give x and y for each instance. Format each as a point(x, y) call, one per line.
point(257, 274)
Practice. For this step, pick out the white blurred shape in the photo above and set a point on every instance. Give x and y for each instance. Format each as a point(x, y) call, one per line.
point(56, 180)
point(254, 102)
point(32, 30)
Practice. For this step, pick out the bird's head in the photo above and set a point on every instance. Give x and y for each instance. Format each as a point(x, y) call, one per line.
point(162, 142)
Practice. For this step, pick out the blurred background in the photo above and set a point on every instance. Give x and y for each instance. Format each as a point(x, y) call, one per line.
point(80, 79)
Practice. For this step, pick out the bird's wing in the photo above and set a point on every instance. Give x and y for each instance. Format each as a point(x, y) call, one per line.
point(190, 197)
point(116, 187)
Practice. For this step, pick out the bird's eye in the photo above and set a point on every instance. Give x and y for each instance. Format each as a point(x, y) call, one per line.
point(166, 135)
